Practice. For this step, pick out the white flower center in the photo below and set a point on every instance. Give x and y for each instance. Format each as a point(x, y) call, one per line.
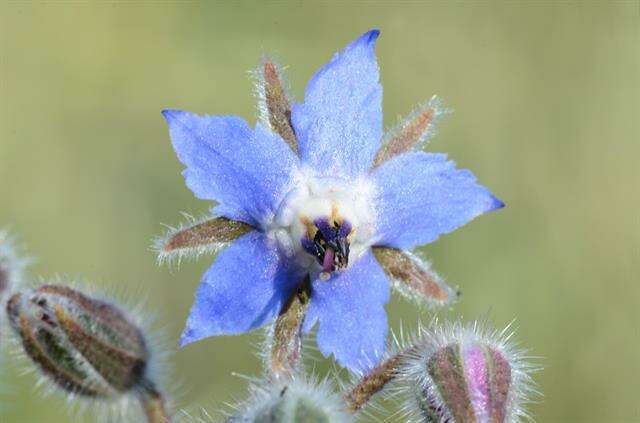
point(341, 207)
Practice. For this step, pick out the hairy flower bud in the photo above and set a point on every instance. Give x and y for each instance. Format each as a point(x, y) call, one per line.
point(293, 402)
point(465, 374)
point(87, 346)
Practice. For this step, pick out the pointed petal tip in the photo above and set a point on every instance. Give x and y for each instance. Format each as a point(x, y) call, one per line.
point(170, 114)
point(372, 35)
point(497, 204)
point(184, 340)
point(367, 40)
point(187, 338)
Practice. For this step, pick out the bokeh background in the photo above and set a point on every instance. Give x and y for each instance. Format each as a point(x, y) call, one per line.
point(546, 98)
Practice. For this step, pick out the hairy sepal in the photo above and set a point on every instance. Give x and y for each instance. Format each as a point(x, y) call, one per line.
point(197, 237)
point(413, 132)
point(413, 278)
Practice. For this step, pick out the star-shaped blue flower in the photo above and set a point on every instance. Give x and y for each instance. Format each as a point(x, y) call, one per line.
point(317, 211)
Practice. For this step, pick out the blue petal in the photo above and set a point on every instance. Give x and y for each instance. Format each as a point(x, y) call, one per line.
point(421, 196)
point(244, 289)
point(350, 309)
point(247, 171)
point(339, 126)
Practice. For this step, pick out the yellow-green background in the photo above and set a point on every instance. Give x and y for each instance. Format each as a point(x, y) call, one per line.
point(546, 102)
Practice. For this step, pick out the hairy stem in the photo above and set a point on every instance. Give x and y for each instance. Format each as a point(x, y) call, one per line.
point(153, 404)
point(375, 380)
point(287, 337)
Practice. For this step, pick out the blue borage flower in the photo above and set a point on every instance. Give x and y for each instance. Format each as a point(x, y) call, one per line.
point(318, 197)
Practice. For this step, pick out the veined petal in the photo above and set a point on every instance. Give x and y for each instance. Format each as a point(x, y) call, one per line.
point(248, 171)
point(350, 310)
point(245, 288)
point(339, 125)
point(421, 196)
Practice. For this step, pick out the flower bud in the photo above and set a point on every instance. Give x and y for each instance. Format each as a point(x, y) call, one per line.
point(88, 347)
point(463, 374)
point(293, 402)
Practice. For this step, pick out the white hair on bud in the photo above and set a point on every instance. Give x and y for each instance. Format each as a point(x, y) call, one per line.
point(284, 395)
point(121, 406)
point(13, 263)
point(413, 376)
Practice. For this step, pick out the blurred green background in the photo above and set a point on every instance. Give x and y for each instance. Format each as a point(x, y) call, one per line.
point(546, 103)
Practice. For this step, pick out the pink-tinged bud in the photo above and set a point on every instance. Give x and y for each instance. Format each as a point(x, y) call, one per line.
point(465, 374)
point(87, 346)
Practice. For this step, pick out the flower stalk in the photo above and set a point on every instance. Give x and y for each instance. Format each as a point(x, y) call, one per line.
point(153, 404)
point(372, 383)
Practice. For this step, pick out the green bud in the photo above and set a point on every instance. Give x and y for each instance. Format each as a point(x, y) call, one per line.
point(88, 347)
point(295, 402)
